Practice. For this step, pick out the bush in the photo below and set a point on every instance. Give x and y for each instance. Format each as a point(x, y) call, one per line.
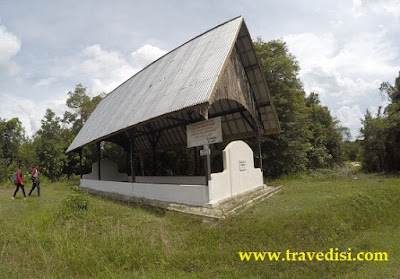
point(76, 202)
point(73, 205)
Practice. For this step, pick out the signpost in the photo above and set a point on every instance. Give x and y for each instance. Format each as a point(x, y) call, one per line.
point(204, 132)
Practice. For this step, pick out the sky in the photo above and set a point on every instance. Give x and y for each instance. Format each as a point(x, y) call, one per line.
point(345, 48)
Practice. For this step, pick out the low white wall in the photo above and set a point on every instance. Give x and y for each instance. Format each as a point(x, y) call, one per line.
point(238, 176)
point(186, 180)
point(187, 194)
point(122, 188)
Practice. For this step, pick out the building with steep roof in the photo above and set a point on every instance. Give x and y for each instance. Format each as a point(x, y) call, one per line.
point(214, 75)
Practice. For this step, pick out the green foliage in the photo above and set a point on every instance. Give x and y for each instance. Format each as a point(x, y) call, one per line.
point(351, 150)
point(12, 139)
point(12, 135)
point(287, 152)
point(310, 136)
point(381, 144)
point(81, 106)
point(73, 205)
point(50, 146)
point(326, 135)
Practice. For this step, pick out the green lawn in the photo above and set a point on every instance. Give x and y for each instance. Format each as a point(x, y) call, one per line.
point(39, 238)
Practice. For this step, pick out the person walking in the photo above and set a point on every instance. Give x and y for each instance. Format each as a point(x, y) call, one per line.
point(20, 182)
point(35, 180)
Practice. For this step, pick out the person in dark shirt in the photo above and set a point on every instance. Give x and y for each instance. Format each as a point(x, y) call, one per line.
point(35, 180)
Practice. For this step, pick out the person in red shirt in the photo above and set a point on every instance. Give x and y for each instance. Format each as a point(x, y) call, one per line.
point(35, 180)
point(20, 182)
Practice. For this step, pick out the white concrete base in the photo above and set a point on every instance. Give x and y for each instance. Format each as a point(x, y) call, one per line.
point(186, 194)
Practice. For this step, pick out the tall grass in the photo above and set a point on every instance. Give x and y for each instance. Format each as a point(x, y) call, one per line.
point(47, 238)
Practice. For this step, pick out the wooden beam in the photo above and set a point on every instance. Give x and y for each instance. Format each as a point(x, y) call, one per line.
point(80, 162)
point(207, 160)
point(248, 121)
point(132, 156)
point(99, 159)
point(260, 161)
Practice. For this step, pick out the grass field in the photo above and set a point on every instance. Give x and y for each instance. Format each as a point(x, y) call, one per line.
point(43, 238)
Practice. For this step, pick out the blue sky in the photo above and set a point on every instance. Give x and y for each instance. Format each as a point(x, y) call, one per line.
point(345, 48)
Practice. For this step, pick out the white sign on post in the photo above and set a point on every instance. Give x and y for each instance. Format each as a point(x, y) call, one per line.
point(204, 132)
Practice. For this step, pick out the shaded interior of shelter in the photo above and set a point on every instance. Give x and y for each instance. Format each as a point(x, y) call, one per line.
point(155, 140)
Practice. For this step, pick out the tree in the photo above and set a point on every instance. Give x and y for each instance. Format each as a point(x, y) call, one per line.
point(373, 155)
point(51, 146)
point(287, 152)
point(392, 121)
point(12, 136)
point(326, 135)
point(381, 144)
point(81, 106)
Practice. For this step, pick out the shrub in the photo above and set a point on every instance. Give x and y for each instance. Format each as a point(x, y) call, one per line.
point(74, 204)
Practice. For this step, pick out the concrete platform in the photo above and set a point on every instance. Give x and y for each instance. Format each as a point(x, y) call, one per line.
point(224, 209)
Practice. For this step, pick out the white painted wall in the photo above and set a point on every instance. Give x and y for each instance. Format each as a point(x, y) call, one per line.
point(238, 176)
point(122, 188)
point(187, 194)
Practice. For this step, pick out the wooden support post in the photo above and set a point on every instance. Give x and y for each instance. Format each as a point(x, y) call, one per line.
point(207, 159)
point(196, 161)
point(132, 159)
point(260, 162)
point(207, 164)
point(154, 160)
point(141, 164)
point(99, 159)
point(80, 162)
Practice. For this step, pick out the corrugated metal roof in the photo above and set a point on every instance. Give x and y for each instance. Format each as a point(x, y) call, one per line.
point(183, 78)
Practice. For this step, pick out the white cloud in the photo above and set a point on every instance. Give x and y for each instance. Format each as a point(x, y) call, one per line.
point(383, 7)
point(45, 81)
point(146, 54)
point(350, 117)
point(105, 70)
point(98, 69)
point(312, 50)
point(9, 47)
point(29, 112)
point(346, 74)
point(367, 54)
point(356, 9)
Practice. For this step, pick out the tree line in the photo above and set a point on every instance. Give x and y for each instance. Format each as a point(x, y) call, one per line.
point(311, 138)
point(381, 133)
